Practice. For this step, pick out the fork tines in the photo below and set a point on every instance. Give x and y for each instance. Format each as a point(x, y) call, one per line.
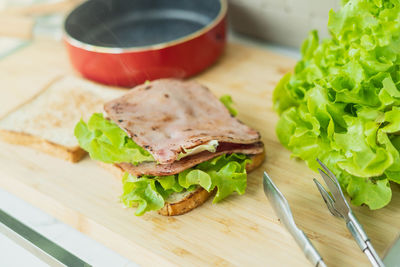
point(327, 199)
point(335, 201)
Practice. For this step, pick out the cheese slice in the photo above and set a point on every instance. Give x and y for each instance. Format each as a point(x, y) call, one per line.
point(210, 146)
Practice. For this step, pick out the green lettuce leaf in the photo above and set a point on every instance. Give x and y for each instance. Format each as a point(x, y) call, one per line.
point(142, 192)
point(228, 103)
point(342, 102)
point(106, 142)
point(367, 191)
point(226, 173)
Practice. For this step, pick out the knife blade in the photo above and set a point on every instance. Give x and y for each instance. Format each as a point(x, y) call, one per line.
point(282, 209)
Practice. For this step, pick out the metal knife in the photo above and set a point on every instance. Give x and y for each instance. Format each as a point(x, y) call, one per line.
point(282, 209)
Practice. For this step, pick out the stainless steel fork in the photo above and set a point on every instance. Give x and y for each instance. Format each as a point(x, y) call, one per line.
point(339, 207)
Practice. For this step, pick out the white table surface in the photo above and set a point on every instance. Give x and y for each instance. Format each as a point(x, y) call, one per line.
point(94, 253)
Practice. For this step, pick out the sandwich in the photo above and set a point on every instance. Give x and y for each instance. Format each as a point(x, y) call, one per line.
point(174, 143)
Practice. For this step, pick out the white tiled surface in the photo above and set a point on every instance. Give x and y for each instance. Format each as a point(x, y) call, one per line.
point(67, 237)
point(13, 255)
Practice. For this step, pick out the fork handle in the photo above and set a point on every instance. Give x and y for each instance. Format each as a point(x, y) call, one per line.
point(373, 256)
point(363, 241)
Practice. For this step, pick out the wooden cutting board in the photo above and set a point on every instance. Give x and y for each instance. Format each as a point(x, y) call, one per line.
point(242, 230)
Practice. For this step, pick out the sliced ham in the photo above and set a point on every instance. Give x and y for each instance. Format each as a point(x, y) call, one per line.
point(152, 168)
point(168, 115)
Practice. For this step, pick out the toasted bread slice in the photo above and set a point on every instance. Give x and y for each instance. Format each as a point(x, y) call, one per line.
point(46, 122)
point(73, 154)
point(180, 203)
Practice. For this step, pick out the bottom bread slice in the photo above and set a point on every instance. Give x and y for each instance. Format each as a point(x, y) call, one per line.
point(180, 203)
point(73, 154)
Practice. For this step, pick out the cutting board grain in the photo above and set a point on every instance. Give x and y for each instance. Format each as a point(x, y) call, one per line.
point(241, 231)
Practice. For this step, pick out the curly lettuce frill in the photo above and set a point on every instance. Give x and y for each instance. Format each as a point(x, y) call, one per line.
point(342, 103)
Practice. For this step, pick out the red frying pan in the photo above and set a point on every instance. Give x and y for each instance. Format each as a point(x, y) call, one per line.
point(126, 42)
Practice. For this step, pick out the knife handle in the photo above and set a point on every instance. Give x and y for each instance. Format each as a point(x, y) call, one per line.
point(308, 248)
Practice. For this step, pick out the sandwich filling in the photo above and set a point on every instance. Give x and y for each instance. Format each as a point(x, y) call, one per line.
point(210, 146)
point(170, 136)
point(167, 117)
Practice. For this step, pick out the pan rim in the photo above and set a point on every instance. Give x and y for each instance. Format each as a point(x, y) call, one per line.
point(119, 50)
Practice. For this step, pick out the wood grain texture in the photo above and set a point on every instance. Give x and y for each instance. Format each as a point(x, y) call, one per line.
point(241, 231)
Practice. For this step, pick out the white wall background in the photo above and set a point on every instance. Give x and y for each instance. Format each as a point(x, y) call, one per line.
point(285, 22)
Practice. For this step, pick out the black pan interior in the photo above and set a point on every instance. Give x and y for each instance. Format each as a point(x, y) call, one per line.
point(136, 23)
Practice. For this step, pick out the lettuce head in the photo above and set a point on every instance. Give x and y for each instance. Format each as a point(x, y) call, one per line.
point(342, 102)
